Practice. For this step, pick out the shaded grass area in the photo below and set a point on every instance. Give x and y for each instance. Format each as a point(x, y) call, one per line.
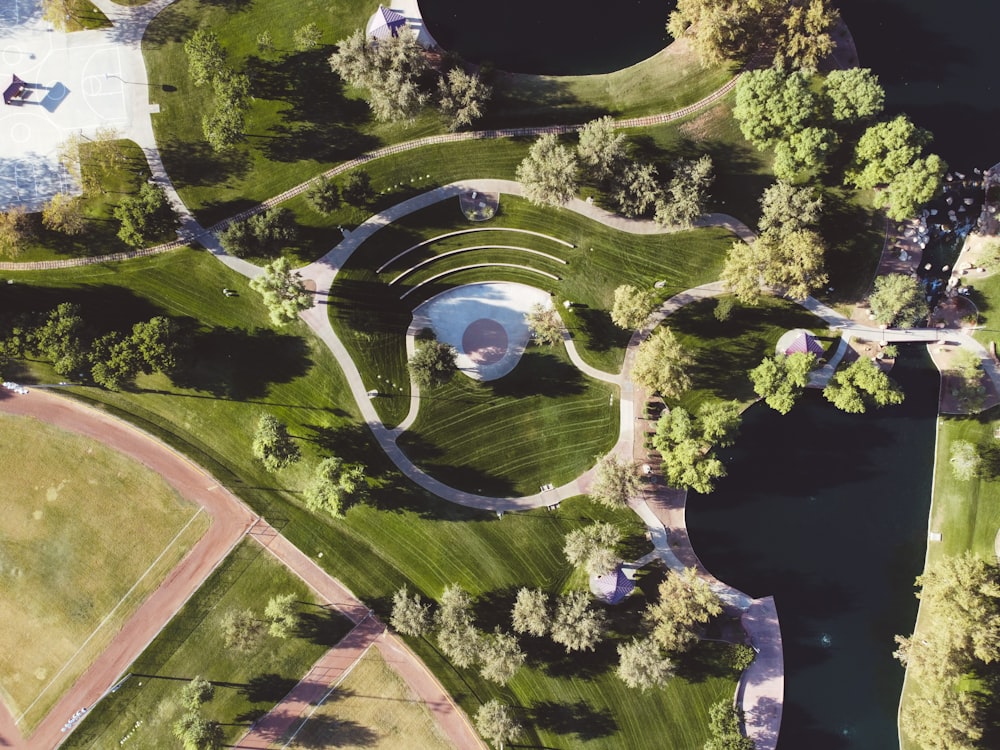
point(371, 319)
point(242, 368)
point(724, 352)
point(356, 714)
point(100, 232)
point(544, 422)
point(303, 120)
point(71, 570)
point(83, 14)
point(247, 683)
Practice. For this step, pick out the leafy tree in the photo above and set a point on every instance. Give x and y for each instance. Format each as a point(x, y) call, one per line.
point(265, 43)
point(273, 446)
point(457, 637)
point(226, 124)
point(803, 154)
point(143, 216)
point(965, 460)
point(791, 264)
point(631, 306)
point(500, 657)
point(718, 31)
point(860, 385)
point(197, 691)
point(914, 186)
point(601, 149)
point(724, 720)
point(724, 305)
point(686, 444)
point(390, 70)
point(58, 13)
point(63, 213)
point(898, 299)
point(114, 361)
point(15, 230)
point(410, 616)
point(805, 40)
point(282, 290)
point(661, 364)
point(462, 98)
point(206, 56)
point(593, 547)
point(359, 191)
point(687, 194)
point(616, 480)
point(241, 630)
point(548, 174)
point(685, 602)
point(198, 733)
point(780, 379)
point(531, 612)
point(575, 626)
point(943, 719)
point(495, 722)
point(262, 234)
point(772, 104)
point(545, 324)
point(155, 342)
point(432, 364)
point(282, 615)
point(637, 190)
point(307, 37)
point(335, 484)
point(968, 369)
point(884, 151)
point(641, 665)
point(853, 95)
point(323, 196)
point(786, 209)
point(92, 158)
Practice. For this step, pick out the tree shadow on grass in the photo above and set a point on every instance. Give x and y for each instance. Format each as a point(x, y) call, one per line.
point(194, 163)
point(242, 364)
point(578, 719)
point(322, 626)
point(103, 307)
point(540, 374)
point(268, 688)
point(325, 732)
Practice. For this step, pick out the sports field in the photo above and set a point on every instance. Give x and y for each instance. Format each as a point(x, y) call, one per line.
point(356, 714)
point(87, 534)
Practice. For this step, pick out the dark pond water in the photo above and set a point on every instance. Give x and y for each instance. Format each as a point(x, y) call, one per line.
point(827, 512)
point(544, 36)
point(938, 62)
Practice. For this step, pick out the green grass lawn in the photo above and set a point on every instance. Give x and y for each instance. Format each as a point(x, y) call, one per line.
point(100, 232)
point(303, 120)
point(71, 564)
point(724, 352)
point(240, 368)
point(355, 714)
point(544, 422)
point(247, 683)
point(371, 319)
point(83, 14)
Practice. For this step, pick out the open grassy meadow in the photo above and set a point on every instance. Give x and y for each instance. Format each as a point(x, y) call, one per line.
point(356, 715)
point(87, 535)
point(247, 683)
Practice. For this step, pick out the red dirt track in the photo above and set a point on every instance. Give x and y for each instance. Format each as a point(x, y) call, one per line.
point(230, 521)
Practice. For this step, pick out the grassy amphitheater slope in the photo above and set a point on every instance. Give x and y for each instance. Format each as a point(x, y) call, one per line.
point(72, 565)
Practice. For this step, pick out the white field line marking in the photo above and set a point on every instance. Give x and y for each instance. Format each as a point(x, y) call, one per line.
point(327, 694)
point(108, 616)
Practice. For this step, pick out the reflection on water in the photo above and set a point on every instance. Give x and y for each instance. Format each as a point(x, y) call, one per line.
point(828, 512)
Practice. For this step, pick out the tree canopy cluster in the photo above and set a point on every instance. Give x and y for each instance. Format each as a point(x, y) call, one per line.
point(113, 358)
point(261, 235)
point(226, 124)
point(143, 216)
point(662, 364)
point(593, 548)
point(282, 290)
point(687, 444)
point(961, 596)
point(685, 603)
point(781, 379)
point(432, 364)
point(399, 82)
point(616, 480)
point(859, 385)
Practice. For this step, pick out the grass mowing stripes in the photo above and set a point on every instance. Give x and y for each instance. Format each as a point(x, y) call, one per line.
point(70, 577)
point(247, 683)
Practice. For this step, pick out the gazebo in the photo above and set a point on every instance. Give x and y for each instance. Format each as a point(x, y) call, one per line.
point(805, 343)
point(612, 587)
point(13, 91)
point(385, 23)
